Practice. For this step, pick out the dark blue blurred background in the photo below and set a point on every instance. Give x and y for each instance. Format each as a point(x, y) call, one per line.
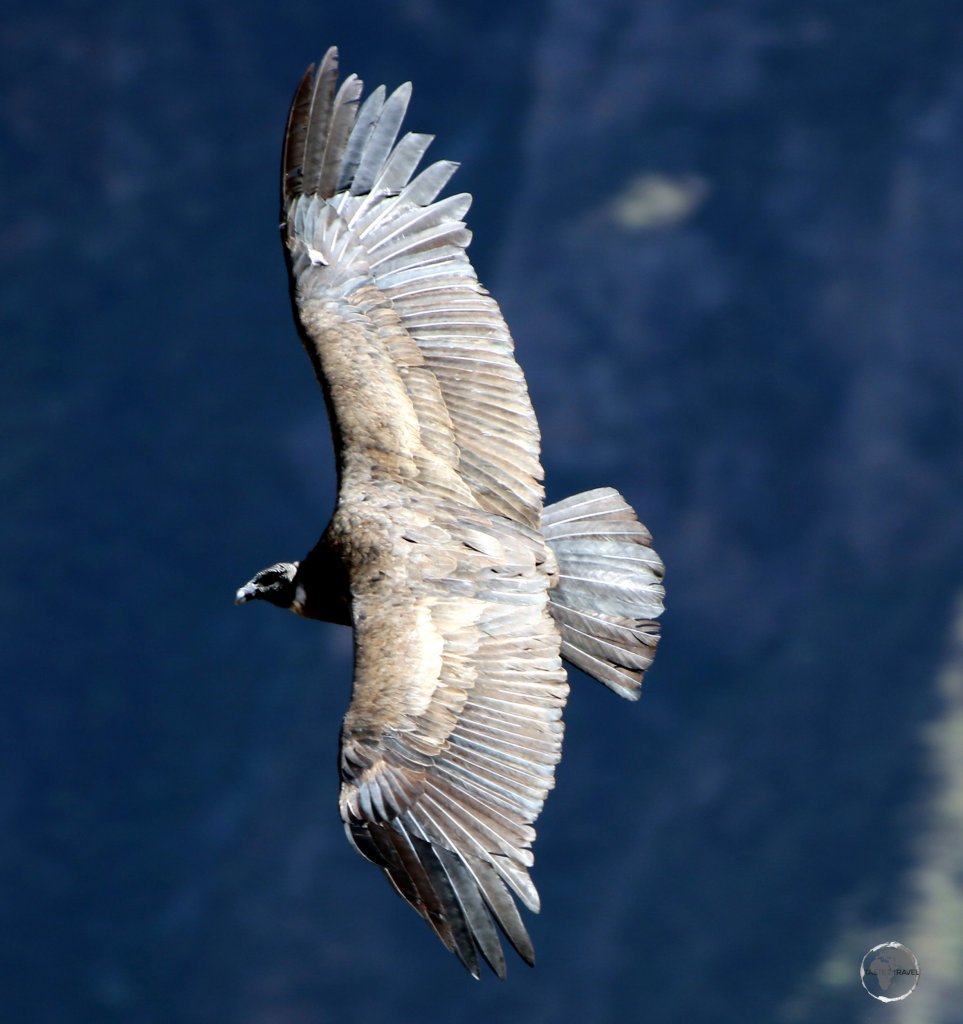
point(728, 237)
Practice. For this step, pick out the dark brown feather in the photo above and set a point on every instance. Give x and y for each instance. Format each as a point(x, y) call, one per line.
point(294, 135)
point(318, 121)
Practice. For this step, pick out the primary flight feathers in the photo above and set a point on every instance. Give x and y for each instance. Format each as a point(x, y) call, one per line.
point(463, 592)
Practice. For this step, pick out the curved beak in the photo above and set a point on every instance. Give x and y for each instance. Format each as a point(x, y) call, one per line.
point(245, 594)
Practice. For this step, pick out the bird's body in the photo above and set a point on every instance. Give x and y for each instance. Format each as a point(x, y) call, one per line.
point(463, 592)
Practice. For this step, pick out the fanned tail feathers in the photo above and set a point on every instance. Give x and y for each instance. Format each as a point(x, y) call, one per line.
point(609, 589)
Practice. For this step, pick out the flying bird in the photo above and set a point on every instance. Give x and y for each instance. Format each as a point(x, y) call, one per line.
point(464, 592)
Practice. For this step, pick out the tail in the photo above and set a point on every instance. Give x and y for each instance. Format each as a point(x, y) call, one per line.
point(609, 588)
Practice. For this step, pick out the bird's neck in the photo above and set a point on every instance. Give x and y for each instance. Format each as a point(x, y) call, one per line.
point(323, 581)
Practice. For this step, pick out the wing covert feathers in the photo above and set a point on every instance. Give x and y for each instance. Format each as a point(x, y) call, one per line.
point(369, 242)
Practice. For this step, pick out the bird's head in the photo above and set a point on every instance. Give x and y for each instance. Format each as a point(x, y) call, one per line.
point(274, 584)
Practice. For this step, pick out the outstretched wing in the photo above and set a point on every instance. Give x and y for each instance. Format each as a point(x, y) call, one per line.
point(443, 776)
point(413, 354)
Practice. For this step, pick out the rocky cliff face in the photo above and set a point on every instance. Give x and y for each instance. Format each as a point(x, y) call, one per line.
point(728, 242)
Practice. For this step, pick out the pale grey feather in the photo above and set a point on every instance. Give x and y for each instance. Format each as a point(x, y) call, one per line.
point(365, 121)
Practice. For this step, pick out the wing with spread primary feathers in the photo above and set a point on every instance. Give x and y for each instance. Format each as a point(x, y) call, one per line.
point(373, 251)
point(444, 775)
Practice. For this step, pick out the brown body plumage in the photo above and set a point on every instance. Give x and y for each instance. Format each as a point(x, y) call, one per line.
point(462, 591)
